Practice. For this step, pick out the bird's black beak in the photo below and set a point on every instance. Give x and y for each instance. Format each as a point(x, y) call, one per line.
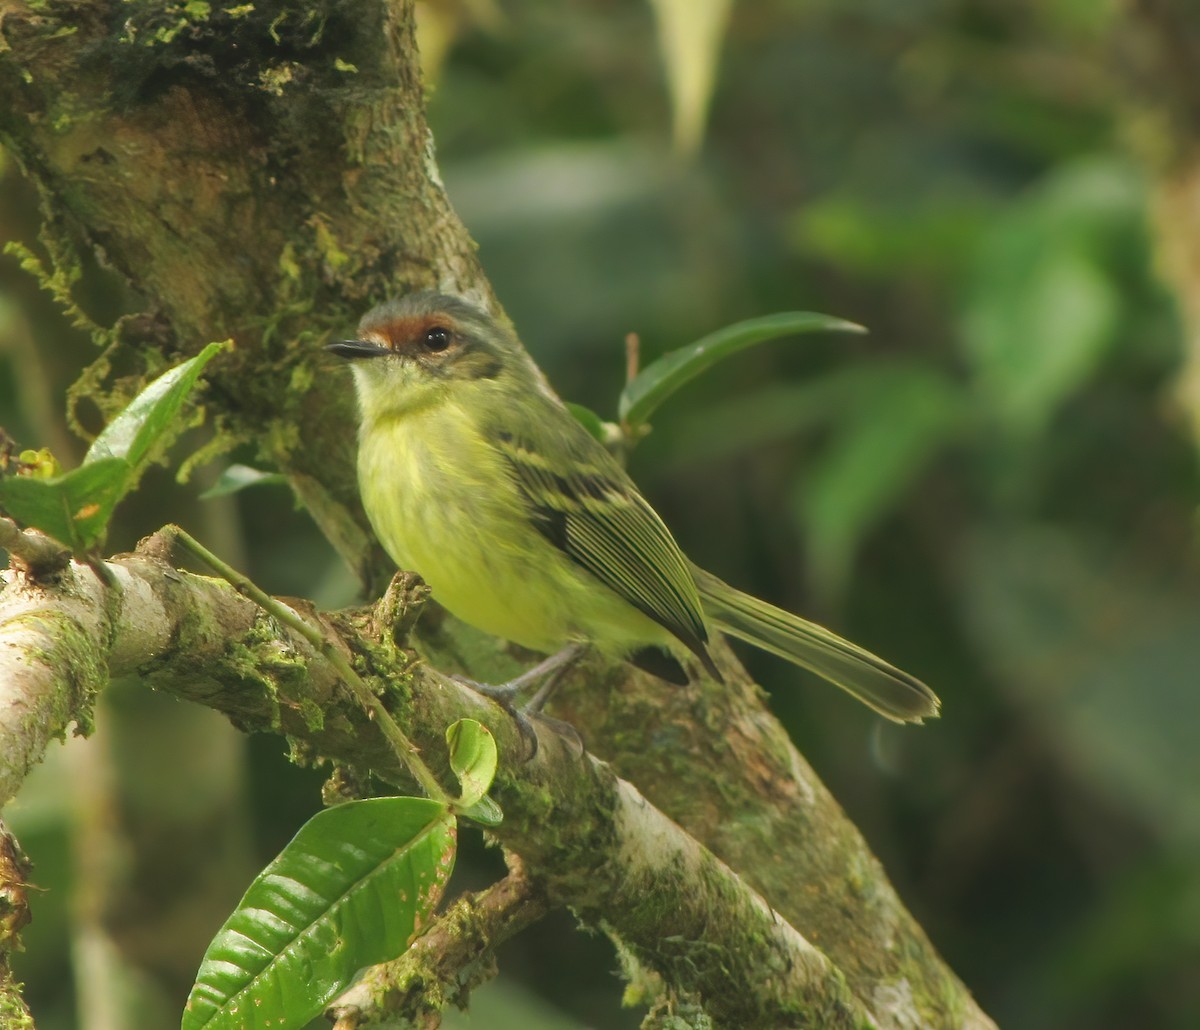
point(357, 349)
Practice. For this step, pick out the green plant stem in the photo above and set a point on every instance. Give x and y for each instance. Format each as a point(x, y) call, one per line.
point(405, 749)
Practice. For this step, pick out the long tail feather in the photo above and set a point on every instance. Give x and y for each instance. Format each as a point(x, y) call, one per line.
point(883, 687)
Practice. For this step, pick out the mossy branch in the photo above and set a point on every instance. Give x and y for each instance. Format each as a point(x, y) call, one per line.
point(591, 839)
point(453, 957)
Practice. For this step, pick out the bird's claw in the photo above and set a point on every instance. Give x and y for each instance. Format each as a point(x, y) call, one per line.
point(505, 694)
point(502, 693)
point(547, 673)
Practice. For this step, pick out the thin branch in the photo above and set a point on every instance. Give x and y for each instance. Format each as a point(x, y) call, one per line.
point(40, 554)
point(404, 748)
point(453, 957)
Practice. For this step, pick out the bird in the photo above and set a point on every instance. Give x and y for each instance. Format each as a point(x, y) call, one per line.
point(476, 476)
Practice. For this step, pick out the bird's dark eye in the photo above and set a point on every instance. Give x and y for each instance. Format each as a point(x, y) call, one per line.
point(436, 339)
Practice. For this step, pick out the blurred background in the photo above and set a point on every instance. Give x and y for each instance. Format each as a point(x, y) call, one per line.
point(996, 488)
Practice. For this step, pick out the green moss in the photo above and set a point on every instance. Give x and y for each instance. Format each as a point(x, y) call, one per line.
point(158, 24)
point(301, 380)
point(276, 77)
point(221, 442)
point(13, 1013)
point(313, 715)
point(79, 665)
point(288, 264)
point(331, 253)
point(57, 282)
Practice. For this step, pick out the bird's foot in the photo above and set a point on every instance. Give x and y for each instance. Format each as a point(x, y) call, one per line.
point(547, 674)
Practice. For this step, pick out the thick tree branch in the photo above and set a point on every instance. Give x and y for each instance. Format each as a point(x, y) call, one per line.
point(591, 839)
point(260, 173)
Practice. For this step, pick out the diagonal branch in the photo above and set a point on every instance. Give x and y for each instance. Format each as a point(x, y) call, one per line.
point(453, 957)
point(614, 858)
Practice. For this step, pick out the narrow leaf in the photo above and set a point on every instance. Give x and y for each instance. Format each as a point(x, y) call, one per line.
point(655, 383)
point(151, 413)
point(689, 37)
point(473, 758)
point(351, 890)
point(239, 477)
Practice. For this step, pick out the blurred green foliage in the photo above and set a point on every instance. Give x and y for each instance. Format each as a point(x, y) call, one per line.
point(989, 489)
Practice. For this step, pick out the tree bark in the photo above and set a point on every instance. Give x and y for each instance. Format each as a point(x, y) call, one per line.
point(264, 173)
point(1160, 45)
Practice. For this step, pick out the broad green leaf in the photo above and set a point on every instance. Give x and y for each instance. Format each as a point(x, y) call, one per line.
point(74, 507)
point(151, 413)
point(655, 383)
point(351, 890)
point(689, 37)
point(590, 421)
point(239, 477)
point(472, 757)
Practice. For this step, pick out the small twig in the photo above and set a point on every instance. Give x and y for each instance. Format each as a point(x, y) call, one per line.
point(633, 358)
point(404, 748)
point(40, 554)
point(454, 956)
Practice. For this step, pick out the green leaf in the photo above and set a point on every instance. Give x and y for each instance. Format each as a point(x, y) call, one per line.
point(655, 383)
point(473, 758)
point(239, 477)
point(485, 812)
point(74, 507)
point(351, 890)
point(133, 433)
point(590, 421)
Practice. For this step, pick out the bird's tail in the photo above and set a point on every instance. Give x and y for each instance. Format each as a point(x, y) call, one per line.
point(891, 692)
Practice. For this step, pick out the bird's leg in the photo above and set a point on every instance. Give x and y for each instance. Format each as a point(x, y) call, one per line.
point(551, 672)
point(548, 672)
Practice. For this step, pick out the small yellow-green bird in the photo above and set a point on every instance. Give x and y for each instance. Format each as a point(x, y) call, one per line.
point(477, 477)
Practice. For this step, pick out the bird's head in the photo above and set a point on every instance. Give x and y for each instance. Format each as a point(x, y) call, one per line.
point(424, 346)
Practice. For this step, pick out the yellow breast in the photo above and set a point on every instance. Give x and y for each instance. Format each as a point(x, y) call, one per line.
point(444, 505)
